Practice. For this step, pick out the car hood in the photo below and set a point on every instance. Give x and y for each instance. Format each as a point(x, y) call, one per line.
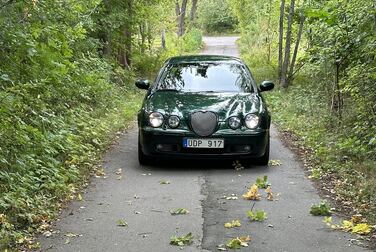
point(184, 103)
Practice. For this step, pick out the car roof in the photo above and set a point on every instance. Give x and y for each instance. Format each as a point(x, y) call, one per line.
point(203, 58)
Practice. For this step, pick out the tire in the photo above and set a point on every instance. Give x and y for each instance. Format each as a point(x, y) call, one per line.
point(264, 159)
point(142, 158)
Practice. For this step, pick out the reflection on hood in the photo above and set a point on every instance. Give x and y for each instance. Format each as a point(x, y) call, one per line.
point(184, 103)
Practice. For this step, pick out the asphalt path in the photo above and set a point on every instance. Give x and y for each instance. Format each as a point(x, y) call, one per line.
point(142, 198)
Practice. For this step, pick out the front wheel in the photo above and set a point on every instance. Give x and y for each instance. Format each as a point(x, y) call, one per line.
point(264, 159)
point(142, 158)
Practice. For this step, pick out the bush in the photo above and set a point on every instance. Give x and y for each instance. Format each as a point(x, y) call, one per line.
point(216, 16)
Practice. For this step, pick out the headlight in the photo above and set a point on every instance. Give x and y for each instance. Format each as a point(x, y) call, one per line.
point(234, 122)
point(173, 121)
point(252, 121)
point(156, 119)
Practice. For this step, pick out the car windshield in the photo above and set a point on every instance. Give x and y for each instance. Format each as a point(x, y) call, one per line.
point(206, 77)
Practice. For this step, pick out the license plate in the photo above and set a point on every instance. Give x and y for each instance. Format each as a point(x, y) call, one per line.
point(203, 143)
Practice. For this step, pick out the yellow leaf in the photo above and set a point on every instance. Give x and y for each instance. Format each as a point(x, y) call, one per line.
point(347, 225)
point(252, 194)
point(362, 229)
point(269, 193)
point(79, 197)
point(233, 223)
point(327, 220)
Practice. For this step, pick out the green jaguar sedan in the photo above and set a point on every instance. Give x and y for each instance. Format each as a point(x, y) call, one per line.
point(204, 106)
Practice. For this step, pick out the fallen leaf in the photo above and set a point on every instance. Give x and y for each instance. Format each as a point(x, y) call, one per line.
point(179, 211)
point(72, 235)
point(232, 224)
point(361, 228)
point(274, 162)
point(262, 182)
point(269, 193)
point(47, 233)
point(79, 197)
point(100, 173)
point(238, 242)
point(122, 223)
point(237, 165)
point(252, 194)
point(321, 209)
point(222, 247)
point(164, 182)
point(257, 215)
point(328, 220)
point(181, 240)
point(231, 197)
point(356, 218)
point(3, 218)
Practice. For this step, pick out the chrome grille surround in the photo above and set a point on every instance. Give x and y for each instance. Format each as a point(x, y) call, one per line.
point(204, 123)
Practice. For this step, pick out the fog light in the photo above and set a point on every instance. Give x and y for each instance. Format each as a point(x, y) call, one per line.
point(234, 122)
point(173, 121)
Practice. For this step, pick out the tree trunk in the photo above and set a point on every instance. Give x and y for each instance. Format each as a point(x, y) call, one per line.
point(337, 101)
point(163, 38)
point(291, 74)
point(142, 31)
point(280, 41)
point(125, 52)
point(286, 60)
point(268, 38)
point(180, 14)
point(193, 12)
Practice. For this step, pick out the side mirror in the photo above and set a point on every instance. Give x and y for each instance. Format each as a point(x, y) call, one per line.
point(266, 86)
point(143, 84)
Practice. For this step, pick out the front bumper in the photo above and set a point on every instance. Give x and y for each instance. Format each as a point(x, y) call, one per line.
point(169, 143)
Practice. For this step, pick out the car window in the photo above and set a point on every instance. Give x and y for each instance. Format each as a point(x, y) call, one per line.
point(206, 77)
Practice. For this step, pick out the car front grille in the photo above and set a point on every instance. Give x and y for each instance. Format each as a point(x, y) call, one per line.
point(204, 123)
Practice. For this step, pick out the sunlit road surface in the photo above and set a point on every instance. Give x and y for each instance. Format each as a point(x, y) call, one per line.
point(139, 199)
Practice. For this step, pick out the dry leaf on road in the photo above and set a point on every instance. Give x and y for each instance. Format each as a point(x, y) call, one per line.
point(252, 194)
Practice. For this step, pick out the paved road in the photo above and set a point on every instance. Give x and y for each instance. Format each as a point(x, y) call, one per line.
point(140, 199)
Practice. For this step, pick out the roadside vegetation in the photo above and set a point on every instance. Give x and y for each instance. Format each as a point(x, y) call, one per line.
point(322, 58)
point(67, 70)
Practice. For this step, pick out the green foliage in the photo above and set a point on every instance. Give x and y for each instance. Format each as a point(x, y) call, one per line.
point(336, 33)
point(63, 95)
point(182, 240)
point(258, 215)
point(262, 182)
point(179, 211)
point(322, 209)
point(189, 43)
point(216, 17)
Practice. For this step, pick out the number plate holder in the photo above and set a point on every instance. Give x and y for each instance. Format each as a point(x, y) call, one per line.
point(207, 143)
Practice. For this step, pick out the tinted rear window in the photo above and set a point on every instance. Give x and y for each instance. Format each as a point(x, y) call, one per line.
point(206, 77)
